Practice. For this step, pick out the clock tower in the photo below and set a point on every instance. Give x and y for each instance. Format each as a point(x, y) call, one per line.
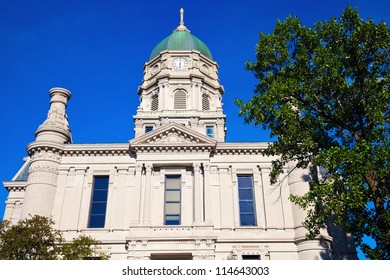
point(181, 85)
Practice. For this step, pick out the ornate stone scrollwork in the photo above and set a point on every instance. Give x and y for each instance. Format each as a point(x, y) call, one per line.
point(46, 168)
point(260, 250)
point(49, 155)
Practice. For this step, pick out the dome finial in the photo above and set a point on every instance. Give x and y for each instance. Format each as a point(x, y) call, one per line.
point(181, 16)
point(181, 26)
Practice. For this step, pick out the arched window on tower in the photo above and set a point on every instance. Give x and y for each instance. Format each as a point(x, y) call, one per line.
point(154, 103)
point(205, 102)
point(180, 100)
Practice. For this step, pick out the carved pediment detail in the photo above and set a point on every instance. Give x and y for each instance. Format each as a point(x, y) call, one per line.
point(173, 134)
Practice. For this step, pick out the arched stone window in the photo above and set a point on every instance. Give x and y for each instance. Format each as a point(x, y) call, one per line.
point(180, 101)
point(154, 103)
point(205, 102)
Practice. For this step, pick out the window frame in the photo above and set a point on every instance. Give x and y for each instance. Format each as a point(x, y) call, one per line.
point(166, 222)
point(212, 127)
point(205, 102)
point(154, 103)
point(179, 97)
point(245, 202)
point(97, 199)
point(148, 128)
point(253, 257)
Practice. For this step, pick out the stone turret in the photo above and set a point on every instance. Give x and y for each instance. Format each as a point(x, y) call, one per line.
point(56, 128)
point(320, 247)
point(45, 153)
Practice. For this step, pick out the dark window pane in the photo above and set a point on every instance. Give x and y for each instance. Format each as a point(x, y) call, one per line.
point(210, 131)
point(245, 182)
point(99, 202)
point(246, 206)
point(246, 200)
point(247, 219)
point(172, 222)
point(245, 194)
point(99, 195)
point(97, 221)
point(251, 257)
point(98, 208)
point(100, 183)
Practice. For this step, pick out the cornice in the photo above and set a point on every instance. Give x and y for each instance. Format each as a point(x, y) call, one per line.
point(240, 148)
point(179, 148)
point(44, 146)
point(96, 150)
point(15, 186)
point(123, 149)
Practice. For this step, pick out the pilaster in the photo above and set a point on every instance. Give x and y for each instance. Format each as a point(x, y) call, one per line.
point(138, 190)
point(147, 197)
point(208, 200)
point(198, 195)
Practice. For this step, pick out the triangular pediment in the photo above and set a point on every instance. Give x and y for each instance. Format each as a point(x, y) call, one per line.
point(173, 134)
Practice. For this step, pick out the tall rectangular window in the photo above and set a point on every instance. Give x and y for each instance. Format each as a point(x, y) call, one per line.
point(210, 131)
point(97, 216)
point(246, 200)
point(172, 200)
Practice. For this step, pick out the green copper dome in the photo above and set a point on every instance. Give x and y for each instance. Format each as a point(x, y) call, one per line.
point(181, 39)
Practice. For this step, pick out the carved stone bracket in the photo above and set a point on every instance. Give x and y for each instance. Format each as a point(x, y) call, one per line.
point(261, 250)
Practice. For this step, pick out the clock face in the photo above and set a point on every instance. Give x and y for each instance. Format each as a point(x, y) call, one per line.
point(179, 63)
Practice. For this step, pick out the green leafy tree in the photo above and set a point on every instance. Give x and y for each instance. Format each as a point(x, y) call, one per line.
point(82, 248)
point(323, 92)
point(36, 239)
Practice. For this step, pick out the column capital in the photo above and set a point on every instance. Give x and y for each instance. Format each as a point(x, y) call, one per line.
point(148, 167)
point(196, 166)
point(138, 167)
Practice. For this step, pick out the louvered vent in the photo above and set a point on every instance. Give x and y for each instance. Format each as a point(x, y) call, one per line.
point(180, 100)
point(154, 105)
point(205, 103)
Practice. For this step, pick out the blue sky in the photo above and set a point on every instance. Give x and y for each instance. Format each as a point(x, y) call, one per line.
point(96, 49)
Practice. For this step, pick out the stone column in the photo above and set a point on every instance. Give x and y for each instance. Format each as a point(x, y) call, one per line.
point(161, 100)
point(129, 198)
point(220, 130)
point(147, 197)
point(208, 215)
point(136, 215)
point(226, 198)
point(198, 195)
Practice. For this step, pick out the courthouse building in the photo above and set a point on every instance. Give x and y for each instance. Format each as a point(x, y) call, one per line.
point(175, 191)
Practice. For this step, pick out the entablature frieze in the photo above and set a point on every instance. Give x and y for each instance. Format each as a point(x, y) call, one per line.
point(227, 148)
point(173, 148)
point(41, 148)
point(96, 150)
point(194, 242)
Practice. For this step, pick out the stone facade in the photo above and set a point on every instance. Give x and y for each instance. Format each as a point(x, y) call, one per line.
point(179, 133)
